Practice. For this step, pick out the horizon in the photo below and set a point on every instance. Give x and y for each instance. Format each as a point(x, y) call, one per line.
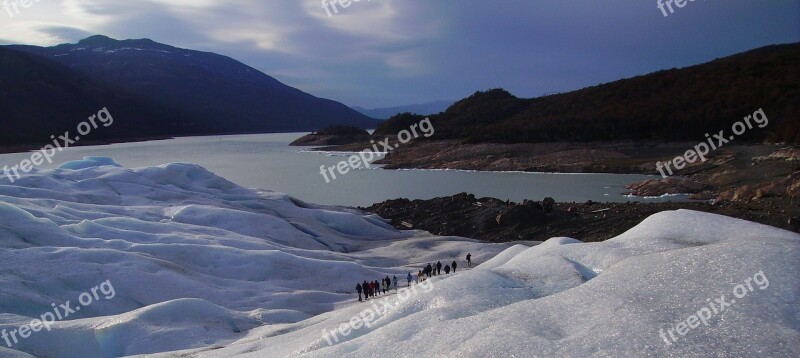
point(377, 54)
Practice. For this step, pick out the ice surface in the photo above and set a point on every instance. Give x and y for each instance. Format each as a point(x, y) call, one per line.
point(205, 268)
point(564, 298)
point(88, 162)
point(194, 260)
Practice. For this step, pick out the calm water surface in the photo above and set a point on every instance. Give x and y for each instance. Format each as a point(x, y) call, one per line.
point(266, 161)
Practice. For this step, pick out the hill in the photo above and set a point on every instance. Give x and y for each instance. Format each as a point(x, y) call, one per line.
point(669, 105)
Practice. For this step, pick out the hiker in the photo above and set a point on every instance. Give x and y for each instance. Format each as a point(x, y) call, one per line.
point(365, 287)
point(469, 260)
point(358, 288)
point(371, 289)
point(395, 282)
point(409, 279)
point(454, 264)
point(438, 267)
point(377, 287)
point(446, 269)
point(419, 275)
point(385, 284)
point(428, 270)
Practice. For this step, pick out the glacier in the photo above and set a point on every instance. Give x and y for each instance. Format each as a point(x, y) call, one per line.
point(202, 267)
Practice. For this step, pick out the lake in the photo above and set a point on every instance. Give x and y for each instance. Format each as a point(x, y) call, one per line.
point(266, 161)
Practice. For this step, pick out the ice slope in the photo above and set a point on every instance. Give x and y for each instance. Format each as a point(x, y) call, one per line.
point(194, 260)
point(572, 299)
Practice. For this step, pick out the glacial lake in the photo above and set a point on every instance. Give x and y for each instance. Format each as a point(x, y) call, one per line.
point(266, 161)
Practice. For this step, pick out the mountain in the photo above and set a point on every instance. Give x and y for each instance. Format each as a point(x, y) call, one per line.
point(421, 109)
point(204, 93)
point(40, 97)
point(670, 105)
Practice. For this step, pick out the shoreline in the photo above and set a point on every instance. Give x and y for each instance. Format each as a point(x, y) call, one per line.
point(27, 148)
point(757, 167)
point(494, 220)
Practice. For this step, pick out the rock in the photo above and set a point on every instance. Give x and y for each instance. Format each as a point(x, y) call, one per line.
point(548, 204)
point(789, 186)
point(794, 223)
point(336, 135)
point(522, 214)
point(659, 187)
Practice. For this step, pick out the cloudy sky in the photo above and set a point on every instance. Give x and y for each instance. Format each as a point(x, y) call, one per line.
point(378, 53)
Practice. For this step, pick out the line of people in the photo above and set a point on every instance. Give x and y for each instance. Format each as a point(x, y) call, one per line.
point(431, 270)
point(373, 288)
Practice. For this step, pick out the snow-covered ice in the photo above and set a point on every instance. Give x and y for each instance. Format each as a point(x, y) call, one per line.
point(203, 267)
point(195, 260)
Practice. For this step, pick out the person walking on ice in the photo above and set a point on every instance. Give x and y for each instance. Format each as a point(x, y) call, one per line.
point(409, 279)
point(395, 282)
point(454, 264)
point(438, 267)
point(446, 269)
point(469, 260)
point(358, 288)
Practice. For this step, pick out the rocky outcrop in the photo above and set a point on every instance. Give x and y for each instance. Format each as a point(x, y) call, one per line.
point(788, 187)
point(338, 135)
point(672, 185)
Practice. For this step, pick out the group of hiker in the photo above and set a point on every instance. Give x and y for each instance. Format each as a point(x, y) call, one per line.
point(374, 288)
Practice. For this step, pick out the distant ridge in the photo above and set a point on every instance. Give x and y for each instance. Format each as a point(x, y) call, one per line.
point(422, 109)
point(669, 105)
point(189, 92)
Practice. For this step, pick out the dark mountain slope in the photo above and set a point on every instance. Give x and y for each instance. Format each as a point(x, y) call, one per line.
point(670, 105)
point(40, 98)
point(208, 93)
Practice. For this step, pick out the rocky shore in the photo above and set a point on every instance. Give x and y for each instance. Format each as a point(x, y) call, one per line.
point(759, 183)
point(736, 172)
point(494, 220)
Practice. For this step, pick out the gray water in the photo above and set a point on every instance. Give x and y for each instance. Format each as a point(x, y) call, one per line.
point(266, 161)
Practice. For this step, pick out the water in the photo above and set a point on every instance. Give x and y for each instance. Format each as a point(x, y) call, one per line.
point(266, 161)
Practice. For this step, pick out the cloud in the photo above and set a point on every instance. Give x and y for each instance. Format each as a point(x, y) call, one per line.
point(391, 52)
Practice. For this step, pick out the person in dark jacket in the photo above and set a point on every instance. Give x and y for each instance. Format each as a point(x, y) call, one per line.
point(438, 267)
point(365, 287)
point(409, 278)
point(446, 269)
point(377, 287)
point(454, 264)
point(469, 260)
point(358, 288)
point(429, 270)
